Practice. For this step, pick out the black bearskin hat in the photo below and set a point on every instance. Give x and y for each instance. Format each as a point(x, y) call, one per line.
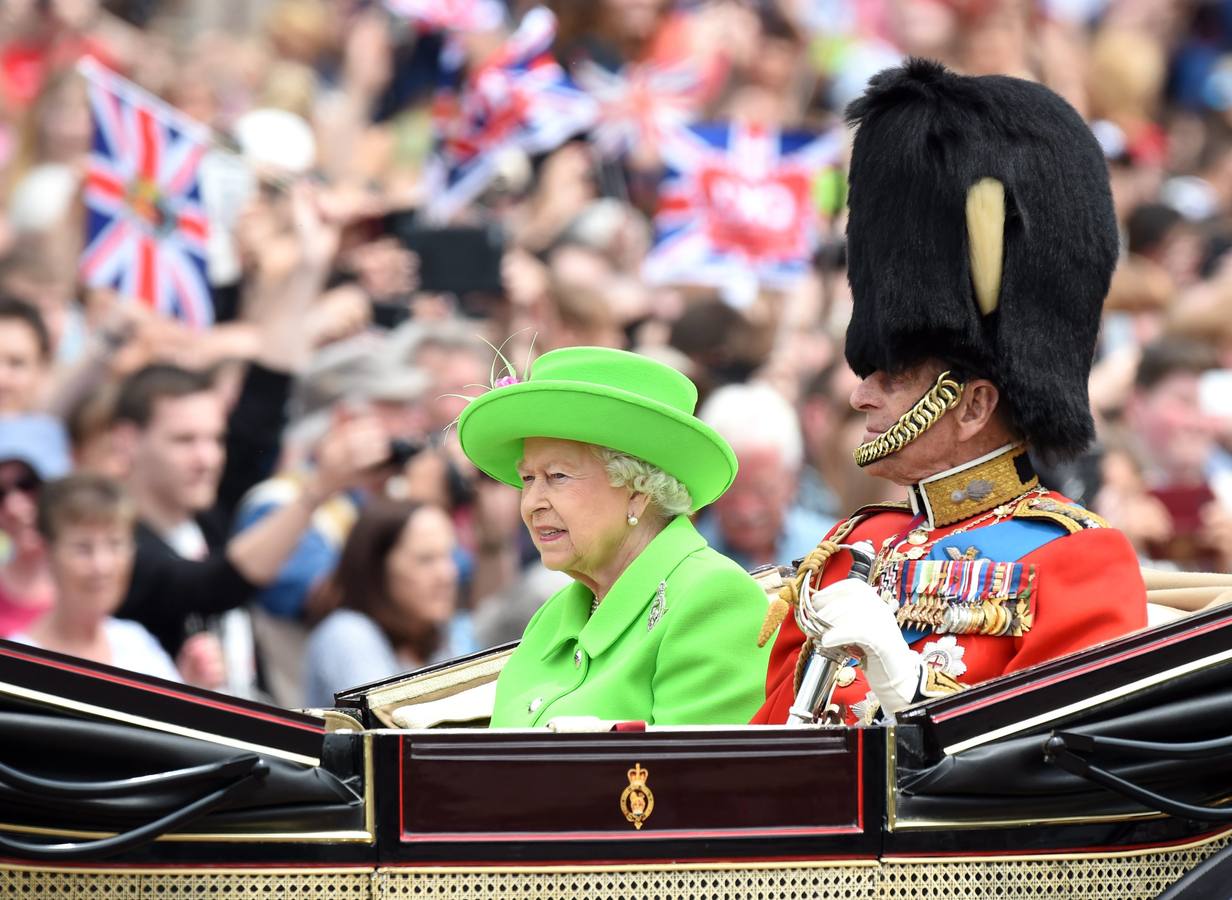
point(1027, 320)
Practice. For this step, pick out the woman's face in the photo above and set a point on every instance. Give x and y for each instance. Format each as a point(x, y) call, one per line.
point(578, 521)
point(423, 577)
point(64, 125)
point(22, 367)
point(19, 488)
point(91, 563)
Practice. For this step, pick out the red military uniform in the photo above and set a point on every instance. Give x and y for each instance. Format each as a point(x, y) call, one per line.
point(981, 239)
point(1022, 577)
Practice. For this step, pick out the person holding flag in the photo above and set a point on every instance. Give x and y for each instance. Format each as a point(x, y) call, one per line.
point(518, 99)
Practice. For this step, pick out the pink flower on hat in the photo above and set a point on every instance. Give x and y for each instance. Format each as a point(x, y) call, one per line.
point(505, 381)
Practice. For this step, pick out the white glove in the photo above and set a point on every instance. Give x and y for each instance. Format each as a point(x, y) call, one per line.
point(860, 619)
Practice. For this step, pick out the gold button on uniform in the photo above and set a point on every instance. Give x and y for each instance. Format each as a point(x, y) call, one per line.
point(846, 675)
point(535, 704)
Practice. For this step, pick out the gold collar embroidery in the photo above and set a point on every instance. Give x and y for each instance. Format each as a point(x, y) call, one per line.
point(974, 487)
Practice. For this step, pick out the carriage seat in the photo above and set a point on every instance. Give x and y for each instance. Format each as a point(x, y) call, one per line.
point(1171, 595)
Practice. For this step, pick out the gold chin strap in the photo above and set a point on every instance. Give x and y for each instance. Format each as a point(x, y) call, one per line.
point(928, 410)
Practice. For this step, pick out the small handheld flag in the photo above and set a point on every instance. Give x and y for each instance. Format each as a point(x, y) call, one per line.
point(145, 226)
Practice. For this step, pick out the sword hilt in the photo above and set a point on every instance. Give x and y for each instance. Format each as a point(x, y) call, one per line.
point(820, 674)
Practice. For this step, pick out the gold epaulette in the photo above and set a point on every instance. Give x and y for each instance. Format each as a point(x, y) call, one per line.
point(1069, 516)
point(883, 506)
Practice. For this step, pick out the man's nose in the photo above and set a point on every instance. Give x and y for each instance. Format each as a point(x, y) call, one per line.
point(863, 396)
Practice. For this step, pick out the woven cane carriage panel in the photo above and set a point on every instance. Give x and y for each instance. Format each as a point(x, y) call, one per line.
point(797, 883)
point(199, 884)
point(1112, 878)
point(1123, 878)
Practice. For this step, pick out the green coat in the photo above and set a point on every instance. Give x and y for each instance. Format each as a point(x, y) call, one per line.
point(698, 664)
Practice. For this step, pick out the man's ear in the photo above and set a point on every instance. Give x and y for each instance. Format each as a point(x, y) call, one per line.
point(977, 408)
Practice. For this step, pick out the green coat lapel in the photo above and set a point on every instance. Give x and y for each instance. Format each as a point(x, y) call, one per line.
point(638, 583)
point(574, 601)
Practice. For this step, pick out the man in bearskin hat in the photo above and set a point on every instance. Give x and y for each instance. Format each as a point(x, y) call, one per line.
point(981, 241)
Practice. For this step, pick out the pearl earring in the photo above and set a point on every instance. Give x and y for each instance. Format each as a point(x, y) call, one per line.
point(632, 520)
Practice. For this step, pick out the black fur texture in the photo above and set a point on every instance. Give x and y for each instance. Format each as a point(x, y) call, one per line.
point(925, 135)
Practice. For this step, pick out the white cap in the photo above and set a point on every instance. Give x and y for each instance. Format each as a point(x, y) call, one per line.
point(41, 199)
point(277, 139)
point(1194, 198)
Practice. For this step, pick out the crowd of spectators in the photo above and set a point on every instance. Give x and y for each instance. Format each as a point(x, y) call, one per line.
point(276, 505)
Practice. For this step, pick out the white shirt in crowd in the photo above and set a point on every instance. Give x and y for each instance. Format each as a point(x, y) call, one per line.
point(132, 648)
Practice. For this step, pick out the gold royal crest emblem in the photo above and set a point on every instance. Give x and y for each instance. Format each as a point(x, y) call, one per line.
point(637, 800)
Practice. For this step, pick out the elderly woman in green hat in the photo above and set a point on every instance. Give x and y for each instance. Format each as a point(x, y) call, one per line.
point(656, 626)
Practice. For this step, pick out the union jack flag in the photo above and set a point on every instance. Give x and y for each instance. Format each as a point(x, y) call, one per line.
point(520, 99)
point(639, 104)
point(459, 15)
point(736, 206)
point(145, 225)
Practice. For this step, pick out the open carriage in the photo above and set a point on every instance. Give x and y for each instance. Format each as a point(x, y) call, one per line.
point(1101, 774)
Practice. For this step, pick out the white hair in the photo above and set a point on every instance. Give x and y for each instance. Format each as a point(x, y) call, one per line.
point(666, 493)
point(755, 416)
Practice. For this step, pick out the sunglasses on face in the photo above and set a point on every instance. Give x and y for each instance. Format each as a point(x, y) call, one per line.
point(23, 484)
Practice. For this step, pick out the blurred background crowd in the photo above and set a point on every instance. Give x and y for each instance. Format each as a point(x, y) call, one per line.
point(250, 483)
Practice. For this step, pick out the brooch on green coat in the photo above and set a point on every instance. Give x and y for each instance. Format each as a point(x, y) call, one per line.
point(659, 607)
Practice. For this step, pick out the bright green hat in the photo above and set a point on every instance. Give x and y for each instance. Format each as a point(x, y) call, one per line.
point(610, 398)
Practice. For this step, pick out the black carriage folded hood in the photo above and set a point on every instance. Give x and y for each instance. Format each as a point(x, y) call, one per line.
point(1014, 774)
point(985, 755)
point(78, 752)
